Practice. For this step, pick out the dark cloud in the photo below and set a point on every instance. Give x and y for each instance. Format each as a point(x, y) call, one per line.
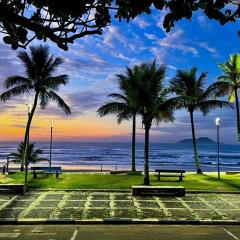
point(85, 101)
point(204, 126)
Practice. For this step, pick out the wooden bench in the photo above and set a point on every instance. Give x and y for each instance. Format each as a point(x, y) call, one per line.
point(158, 190)
point(170, 173)
point(125, 171)
point(46, 170)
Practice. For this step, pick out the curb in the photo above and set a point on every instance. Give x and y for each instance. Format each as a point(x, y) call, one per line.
point(80, 190)
point(213, 192)
point(119, 221)
point(129, 191)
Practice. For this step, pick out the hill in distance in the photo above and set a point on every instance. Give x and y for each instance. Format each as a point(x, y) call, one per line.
point(201, 140)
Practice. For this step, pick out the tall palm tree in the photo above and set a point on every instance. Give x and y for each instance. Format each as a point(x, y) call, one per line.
point(121, 107)
point(147, 94)
point(229, 83)
point(191, 94)
point(39, 69)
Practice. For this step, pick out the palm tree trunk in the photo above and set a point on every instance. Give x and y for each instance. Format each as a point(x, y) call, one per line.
point(238, 116)
point(199, 171)
point(146, 153)
point(133, 143)
point(27, 132)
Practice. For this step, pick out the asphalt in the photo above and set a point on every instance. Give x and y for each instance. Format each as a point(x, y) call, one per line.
point(119, 232)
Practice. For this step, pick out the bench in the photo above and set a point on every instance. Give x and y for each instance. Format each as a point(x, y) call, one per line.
point(170, 173)
point(46, 170)
point(232, 172)
point(125, 172)
point(158, 190)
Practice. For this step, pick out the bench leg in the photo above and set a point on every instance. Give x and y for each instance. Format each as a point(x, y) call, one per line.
point(56, 175)
point(159, 177)
point(34, 175)
point(180, 178)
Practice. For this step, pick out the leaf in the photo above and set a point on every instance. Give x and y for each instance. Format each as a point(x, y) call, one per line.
point(7, 40)
point(232, 97)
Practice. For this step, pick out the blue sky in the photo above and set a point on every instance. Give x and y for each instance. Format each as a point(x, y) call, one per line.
point(92, 63)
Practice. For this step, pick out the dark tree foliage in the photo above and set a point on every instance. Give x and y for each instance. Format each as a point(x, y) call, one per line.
point(63, 21)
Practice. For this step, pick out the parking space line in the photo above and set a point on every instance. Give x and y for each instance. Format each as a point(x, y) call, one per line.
point(231, 234)
point(74, 234)
point(5, 204)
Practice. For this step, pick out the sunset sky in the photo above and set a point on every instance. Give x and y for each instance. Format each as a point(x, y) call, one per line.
point(92, 63)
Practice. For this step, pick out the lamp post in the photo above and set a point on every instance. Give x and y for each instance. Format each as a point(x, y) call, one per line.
point(217, 121)
point(29, 109)
point(50, 158)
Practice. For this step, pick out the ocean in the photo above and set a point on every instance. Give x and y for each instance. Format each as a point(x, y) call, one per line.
point(118, 155)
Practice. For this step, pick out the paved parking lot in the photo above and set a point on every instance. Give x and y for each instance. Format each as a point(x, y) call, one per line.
point(119, 232)
point(79, 205)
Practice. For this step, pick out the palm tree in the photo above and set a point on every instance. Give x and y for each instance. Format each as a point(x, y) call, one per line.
point(191, 94)
point(229, 83)
point(39, 67)
point(32, 154)
point(121, 107)
point(147, 94)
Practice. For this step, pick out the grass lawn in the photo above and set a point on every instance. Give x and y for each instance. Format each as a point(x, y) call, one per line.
point(125, 181)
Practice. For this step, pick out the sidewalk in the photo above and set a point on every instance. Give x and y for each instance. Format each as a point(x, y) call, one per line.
point(84, 206)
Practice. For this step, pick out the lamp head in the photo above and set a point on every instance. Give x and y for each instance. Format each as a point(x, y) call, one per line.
point(52, 123)
point(217, 121)
point(29, 107)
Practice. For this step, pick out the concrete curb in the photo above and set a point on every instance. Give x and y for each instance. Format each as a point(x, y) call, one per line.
point(129, 191)
point(213, 192)
point(81, 190)
point(118, 221)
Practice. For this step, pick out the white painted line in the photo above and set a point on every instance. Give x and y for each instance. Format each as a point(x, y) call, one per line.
point(5, 204)
point(42, 234)
point(74, 234)
point(9, 235)
point(37, 229)
point(231, 234)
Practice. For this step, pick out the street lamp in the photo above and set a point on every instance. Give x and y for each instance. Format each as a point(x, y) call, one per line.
point(50, 159)
point(29, 109)
point(217, 121)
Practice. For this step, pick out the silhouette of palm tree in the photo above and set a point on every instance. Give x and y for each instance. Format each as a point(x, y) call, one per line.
point(191, 94)
point(39, 67)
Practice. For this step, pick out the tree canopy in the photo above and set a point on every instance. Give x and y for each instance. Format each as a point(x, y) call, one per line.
point(61, 21)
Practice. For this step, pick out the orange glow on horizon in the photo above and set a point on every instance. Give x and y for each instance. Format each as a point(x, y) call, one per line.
point(68, 128)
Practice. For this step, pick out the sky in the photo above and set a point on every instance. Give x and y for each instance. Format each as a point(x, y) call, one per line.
point(92, 63)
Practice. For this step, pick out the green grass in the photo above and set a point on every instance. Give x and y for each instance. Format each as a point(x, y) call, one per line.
point(207, 182)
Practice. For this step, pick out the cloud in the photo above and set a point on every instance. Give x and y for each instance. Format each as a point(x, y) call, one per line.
point(113, 33)
point(9, 64)
point(142, 23)
point(174, 40)
point(83, 101)
point(151, 36)
point(203, 22)
point(204, 126)
point(206, 46)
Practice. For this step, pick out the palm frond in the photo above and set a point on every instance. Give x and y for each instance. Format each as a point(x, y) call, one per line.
point(44, 99)
point(16, 81)
point(119, 97)
point(54, 83)
point(27, 63)
point(55, 97)
point(14, 92)
point(116, 108)
point(208, 105)
point(217, 89)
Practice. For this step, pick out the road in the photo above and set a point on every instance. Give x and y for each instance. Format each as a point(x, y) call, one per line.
point(119, 232)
